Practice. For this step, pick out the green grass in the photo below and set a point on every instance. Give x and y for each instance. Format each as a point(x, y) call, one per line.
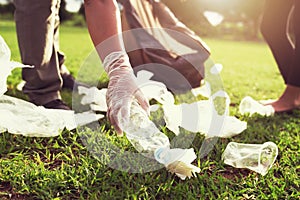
point(63, 168)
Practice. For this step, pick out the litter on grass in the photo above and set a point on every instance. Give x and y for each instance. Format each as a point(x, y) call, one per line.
point(6, 65)
point(200, 116)
point(21, 117)
point(256, 157)
point(146, 137)
point(251, 106)
point(143, 134)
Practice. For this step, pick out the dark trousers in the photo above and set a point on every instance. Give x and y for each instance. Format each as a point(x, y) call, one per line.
point(37, 24)
point(278, 16)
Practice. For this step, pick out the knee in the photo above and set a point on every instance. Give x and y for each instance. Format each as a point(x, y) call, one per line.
point(266, 28)
point(269, 29)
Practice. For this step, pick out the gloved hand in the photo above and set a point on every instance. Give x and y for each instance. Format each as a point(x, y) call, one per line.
point(122, 89)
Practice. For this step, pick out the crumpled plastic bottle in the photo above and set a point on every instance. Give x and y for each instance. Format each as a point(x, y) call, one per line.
point(256, 157)
point(146, 137)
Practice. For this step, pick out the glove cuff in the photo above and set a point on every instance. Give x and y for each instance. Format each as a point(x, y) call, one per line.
point(115, 61)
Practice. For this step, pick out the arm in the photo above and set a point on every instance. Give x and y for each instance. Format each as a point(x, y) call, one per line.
point(103, 20)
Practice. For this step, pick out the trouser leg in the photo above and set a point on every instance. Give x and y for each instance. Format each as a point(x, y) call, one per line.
point(294, 72)
point(274, 29)
point(36, 23)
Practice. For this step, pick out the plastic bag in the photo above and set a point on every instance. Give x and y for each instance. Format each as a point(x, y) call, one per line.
point(94, 97)
point(202, 116)
point(6, 66)
point(21, 117)
point(256, 157)
point(249, 105)
point(174, 159)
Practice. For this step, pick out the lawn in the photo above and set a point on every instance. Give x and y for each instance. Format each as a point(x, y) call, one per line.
point(63, 168)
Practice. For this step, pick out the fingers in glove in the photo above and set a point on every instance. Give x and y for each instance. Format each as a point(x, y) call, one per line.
point(114, 122)
point(144, 103)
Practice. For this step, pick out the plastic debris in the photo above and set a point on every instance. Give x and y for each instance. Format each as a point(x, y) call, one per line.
point(21, 117)
point(146, 137)
point(256, 157)
point(6, 65)
point(94, 97)
point(178, 161)
point(249, 105)
point(202, 116)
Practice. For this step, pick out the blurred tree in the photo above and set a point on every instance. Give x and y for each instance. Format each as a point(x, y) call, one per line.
point(245, 12)
point(7, 7)
point(63, 13)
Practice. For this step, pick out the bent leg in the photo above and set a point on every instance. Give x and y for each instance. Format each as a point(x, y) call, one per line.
point(35, 24)
point(274, 29)
point(294, 72)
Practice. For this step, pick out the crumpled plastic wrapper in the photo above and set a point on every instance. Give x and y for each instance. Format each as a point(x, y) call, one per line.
point(256, 157)
point(202, 116)
point(94, 97)
point(251, 106)
point(6, 65)
point(21, 117)
point(178, 161)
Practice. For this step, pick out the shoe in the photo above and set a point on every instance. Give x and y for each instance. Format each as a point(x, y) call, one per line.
point(57, 104)
point(70, 83)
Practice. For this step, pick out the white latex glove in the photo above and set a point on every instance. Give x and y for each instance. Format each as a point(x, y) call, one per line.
point(122, 89)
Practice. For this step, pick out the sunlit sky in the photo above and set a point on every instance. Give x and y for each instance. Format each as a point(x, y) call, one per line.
point(3, 1)
point(71, 5)
point(214, 18)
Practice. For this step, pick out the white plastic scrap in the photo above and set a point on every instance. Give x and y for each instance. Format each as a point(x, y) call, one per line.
point(21, 117)
point(202, 117)
point(173, 159)
point(6, 65)
point(256, 157)
point(94, 97)
point(249, 105)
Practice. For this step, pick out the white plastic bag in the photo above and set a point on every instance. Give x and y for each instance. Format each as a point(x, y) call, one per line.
point(249, 105)
point(6, 65)
point(21, 117)
point(94, 97)
point(202, 116)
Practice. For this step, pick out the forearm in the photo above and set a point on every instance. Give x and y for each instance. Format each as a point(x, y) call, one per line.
point(104, 25)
